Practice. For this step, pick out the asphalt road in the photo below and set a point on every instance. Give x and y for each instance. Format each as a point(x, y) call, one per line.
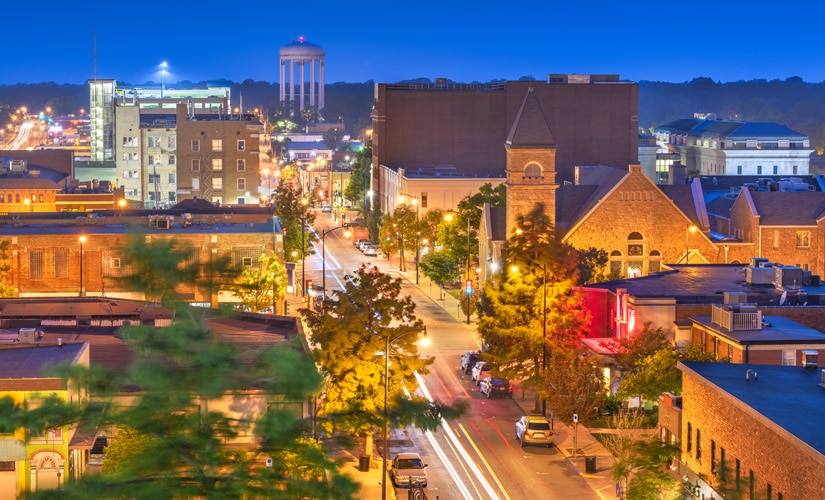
point(476, 456)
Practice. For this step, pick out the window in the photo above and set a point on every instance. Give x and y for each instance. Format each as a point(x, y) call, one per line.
point(723, 466)
point(712, 456)
point(776, 239)
point(130, 156)
point(769, 492)
point(154, 178)
point(241, 145)
point(241, 200)
point(738, 475)
point(759, 170)
point(6, 466)
point(111, 263)
point(803, 239)
point(2, 198)
point(615, 263)
point(788, 358)
point(154, 142)
point(241, 184)
point(752, 485)
point(217, 183)
point(775, 170)
point(730, 353)
point(655, 261)
point(154, 159)
point(196, 146)
point(130, 142)
point(532, 171)
point(246, 257)
point(423, 200)
point(61, 263)
point(172, 196)
point(217, 164)
point(698, 444)
point(172, 160)
point(196, 165)
point(634, 246)
point(36, 264)
point(217, 145)
point(171, 142)
point(795, 171)
point(689, 437)
point(115, 263)
point(739, 170)
point(241, 165)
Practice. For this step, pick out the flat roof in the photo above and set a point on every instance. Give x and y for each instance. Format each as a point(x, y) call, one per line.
point(790, 397)
point(33, 361)
point(775, 330)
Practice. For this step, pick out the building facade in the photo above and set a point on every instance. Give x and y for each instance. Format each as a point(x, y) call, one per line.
point(726, 147)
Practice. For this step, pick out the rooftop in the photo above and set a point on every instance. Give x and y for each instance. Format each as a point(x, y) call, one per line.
point(33, 361)
point(789, 397)
point(775, 330)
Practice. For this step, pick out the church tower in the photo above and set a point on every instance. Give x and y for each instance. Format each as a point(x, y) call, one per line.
point(531, 163)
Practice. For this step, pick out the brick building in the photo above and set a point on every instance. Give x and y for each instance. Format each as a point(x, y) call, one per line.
point(45, 257)
point(593, 119)
point(735, 419)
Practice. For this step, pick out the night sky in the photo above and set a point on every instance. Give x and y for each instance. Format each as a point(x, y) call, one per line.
point(392, 41)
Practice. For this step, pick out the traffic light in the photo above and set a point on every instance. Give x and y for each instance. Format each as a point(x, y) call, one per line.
point(468, 287)
point(309, 286)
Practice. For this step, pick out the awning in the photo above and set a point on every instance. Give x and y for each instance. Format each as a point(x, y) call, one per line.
point(12, 450)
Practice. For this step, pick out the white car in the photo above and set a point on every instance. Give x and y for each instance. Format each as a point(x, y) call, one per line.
point(371, 251)
point(534, 430)
point(408, 470)
point(480, 370)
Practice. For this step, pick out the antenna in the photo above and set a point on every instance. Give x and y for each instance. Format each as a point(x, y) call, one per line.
point(94, 45)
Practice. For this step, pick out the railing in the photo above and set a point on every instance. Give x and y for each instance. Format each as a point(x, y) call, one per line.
point(737, 320)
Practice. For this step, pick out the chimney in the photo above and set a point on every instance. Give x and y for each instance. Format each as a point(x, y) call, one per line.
point(60, 342)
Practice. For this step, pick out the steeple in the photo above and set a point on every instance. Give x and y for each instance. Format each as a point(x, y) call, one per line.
point(531, 163)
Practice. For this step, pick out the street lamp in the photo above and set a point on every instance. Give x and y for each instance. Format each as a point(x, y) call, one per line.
point(691, 229)
point(324, 234)
point(449, 217)
point(82, 241)
point(389, 341)
point(417, 231)
point(162, 78)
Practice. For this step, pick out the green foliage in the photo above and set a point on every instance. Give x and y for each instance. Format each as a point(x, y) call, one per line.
point(332, 138)
point(128, 446)
point(263, 286)
point(295, 217)
point(440, 267)
point(157, 267)
point(592, 264)
point(356, 191)
point(351, 335)
point(398, 232)
point(7, 289)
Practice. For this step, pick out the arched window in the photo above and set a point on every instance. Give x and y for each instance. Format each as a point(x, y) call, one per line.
point(655, 261)
point(615, 264)
point(635, 248)
point(532, 171)
point(40, 198)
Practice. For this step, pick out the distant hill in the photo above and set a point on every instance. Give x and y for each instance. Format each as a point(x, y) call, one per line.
point(791, 102)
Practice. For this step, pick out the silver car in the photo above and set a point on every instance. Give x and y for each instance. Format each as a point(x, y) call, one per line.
point(408, 470)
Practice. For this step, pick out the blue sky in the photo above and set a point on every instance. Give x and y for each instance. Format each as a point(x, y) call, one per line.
point(390, 41)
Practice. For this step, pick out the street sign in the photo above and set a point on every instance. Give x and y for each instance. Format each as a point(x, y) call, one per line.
point(575, 418)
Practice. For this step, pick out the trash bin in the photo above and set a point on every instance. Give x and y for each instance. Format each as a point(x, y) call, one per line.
point(590, 464)
point(364, 463)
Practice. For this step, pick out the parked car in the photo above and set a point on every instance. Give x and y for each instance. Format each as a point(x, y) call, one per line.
point(495, 387)
point(408, 469)
point(479, 371)
point(371, 251)
point(327, 209)
point(359, 241)
point(468, 359)
point(536, 430)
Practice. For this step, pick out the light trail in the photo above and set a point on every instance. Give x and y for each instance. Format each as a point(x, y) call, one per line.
point(459, 449)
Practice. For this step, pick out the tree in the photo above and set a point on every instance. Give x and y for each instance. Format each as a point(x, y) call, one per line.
point(573, 385)
point(440, 267)
point(398, 232)
point(7, 288)
point(295, 217)
point(332, 138)
point(516, 303)
point(591, 265)
point(263, 286)
point(354, 325)
point(359, 184)
point(174, 433)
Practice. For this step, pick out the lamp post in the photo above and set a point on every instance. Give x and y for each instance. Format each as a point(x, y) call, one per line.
point(162, 77)
point(82, 240)
point(386, 402)
point(417, 230)
point(324, 234)
point(691, 229)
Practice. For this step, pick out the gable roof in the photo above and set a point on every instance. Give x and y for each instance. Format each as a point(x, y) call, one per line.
point(682, 197)
point(575, 201)
point(530, 128)
point(789, 209)
point(701, 127)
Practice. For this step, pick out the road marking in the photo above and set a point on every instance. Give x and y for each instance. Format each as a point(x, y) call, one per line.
point(486, 464)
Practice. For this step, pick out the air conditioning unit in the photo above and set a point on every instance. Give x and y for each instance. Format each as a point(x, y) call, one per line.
point(788, 277)
point(736, 297)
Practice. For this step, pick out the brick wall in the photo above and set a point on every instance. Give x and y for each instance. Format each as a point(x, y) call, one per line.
point(789, 466)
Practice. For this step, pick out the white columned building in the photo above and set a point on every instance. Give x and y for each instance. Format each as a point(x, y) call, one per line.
point(301, 53)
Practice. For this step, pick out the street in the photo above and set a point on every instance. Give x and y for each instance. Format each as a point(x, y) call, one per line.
point(476, 456)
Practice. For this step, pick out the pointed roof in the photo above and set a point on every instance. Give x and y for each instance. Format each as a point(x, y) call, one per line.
point(530, 128)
